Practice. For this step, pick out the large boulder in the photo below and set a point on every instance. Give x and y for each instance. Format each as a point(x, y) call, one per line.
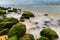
point(6, 25)
point(43, 38)
point(27, 15)
point(51, 34)
point(11, 19)
point(17, 29)
point(27, 37)
point(15, 37)
point(8, 22)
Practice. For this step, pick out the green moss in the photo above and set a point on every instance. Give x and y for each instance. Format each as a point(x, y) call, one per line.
point(2, 12)
point(43, 38)
point(3, 8)
point(8, 22)
point(27, 37)
point(18, 29)
point(51, 34)
point(6, 25)
point(4, 31)
point(27, 15)
point(15, 37)
point(11, 19)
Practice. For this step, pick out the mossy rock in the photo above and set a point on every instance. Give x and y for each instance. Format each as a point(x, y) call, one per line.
point(3, 8)
point(6, 25)
point(8, 22)
point(10, 10)
point(15, 37)
point(43, 38)
point(51, 34)
point(27, 37)
point(27, 15)
point(2, 12)
point(11, 19)
point(4, 32)
point(14, 10)
point(17, 29)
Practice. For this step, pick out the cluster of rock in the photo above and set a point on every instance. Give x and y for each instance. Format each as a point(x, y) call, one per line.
point(17, 31)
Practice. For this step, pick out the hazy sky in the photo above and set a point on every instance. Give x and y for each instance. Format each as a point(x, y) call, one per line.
point(25, 2)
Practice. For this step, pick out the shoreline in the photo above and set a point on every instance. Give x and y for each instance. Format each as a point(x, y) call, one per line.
point(55, 15)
